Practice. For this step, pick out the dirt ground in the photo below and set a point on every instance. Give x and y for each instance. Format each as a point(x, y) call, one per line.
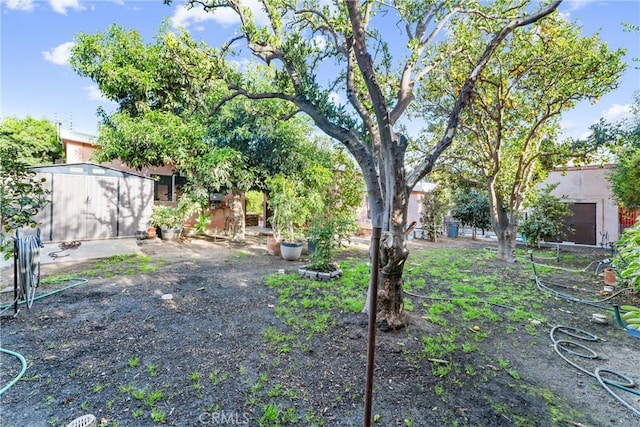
point(120, 348)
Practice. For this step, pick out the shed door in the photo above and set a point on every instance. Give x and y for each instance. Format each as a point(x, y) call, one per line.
point(84, 207)
point(101, 207)
point(583, 223)
point(68, 207)
point(135, 201)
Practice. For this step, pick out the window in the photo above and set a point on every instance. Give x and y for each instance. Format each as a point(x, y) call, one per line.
point(168, 188)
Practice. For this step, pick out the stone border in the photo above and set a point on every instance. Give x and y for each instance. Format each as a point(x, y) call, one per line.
point(304, 271)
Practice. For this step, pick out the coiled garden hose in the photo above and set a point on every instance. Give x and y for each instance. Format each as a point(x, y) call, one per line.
point(23, 369)
point(559, 345)
point(28, 266)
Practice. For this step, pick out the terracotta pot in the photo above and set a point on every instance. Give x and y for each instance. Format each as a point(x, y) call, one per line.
point(610, 276)
point(151, 233)
point(273, 246)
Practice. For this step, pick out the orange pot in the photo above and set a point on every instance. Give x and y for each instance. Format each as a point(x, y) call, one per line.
point(273, 246)
point(610, 276)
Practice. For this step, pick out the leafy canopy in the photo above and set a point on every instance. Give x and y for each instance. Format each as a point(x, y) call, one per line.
point(169, 116)
point(22, 195)
point(35, 142)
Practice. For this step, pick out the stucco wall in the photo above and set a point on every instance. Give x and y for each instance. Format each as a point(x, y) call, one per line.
point(589, 184)
point(81, 151)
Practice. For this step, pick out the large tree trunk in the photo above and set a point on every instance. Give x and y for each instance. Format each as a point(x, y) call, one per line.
point(507, 242)
point(238, 219)
point(504, 225)
point(393, 254)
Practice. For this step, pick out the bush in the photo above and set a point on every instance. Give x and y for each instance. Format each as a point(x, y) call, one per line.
point(545, 218)
point(627, 260)
point(168, 217)
point(327, 235)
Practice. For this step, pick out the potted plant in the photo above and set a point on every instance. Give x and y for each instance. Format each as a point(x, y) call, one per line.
point(290, 213)
point(169, 220)
point(326, 235)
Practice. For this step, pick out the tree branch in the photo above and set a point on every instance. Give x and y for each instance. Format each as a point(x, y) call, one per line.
point(465, 93)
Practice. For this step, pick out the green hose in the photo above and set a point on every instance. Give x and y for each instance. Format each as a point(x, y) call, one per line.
point(23, 362)
point(80, 282)
point(18, 355)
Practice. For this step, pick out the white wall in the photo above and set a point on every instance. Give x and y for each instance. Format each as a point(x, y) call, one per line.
point(588, 184)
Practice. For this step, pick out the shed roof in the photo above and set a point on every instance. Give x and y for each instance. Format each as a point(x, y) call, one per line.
point(86, 169)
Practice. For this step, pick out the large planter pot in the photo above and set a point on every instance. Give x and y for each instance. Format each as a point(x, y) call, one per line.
point(170, 234)
point(291, 251)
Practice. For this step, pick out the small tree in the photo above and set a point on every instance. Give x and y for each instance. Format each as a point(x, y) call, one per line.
point(545, 217)
point(471, 207)
point(336, 221)
point(435, 205)
point(21, 197)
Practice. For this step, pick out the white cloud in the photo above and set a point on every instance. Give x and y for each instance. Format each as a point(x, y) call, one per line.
point(94, 94)
point(61, 6)
point(571, 6)
point(320, 42)
point(578, 4)
point(25, 5)
point(617, 112)
point(60, 54)
point(184, 17)
point(240, 64)
point(336, 98)
point(224, 16)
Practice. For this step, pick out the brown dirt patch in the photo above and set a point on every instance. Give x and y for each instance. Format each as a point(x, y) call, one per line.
point(109, 346)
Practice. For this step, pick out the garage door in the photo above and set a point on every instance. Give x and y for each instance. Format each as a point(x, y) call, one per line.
point(583, 223)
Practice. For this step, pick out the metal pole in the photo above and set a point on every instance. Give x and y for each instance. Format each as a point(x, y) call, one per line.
point(371, 342)
point(15, 275)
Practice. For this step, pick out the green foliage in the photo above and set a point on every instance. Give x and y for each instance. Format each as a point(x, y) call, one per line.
point(471, 207)
point(335, 219)
point(170, 217)
point(625, 180)
point(627, 260)
point(435, 205)
point(291, 206)
point(323, 196)
point(508, 140)
point(254, 200)
point(166, 117)
point(35, 141)
point(327, 235)
point(545, 218)
point(623, 139)
point(22, 196)
point(202, 222)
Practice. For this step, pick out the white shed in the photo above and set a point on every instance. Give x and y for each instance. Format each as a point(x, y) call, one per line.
point(90, 201)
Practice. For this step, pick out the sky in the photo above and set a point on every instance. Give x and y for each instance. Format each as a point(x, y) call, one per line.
point(36, 37)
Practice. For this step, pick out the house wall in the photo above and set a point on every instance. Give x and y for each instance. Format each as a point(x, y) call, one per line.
point(81, 151)
point(414, 210)
point(588, 184)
